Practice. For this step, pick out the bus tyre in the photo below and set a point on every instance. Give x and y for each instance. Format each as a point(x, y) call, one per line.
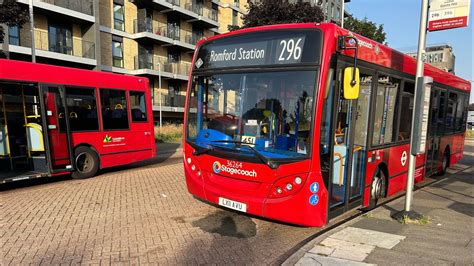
point(445, 162)
point(87, 163)
point(377, 188)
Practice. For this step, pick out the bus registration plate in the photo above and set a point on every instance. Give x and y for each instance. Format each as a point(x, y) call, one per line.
point(238, 206)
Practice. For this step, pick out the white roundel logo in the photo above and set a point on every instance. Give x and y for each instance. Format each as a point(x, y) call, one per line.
point(403, 160)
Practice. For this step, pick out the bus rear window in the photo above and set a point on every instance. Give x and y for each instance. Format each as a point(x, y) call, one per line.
point(138, 106)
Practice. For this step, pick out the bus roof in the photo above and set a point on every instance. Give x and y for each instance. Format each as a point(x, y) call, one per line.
point(34, 72)
point(369, 51)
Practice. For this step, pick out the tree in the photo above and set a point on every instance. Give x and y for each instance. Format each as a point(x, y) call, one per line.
point(365, 28)
point(12, 14)
point(269, 12)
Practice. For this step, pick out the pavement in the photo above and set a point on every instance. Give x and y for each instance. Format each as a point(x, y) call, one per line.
point(443, 235)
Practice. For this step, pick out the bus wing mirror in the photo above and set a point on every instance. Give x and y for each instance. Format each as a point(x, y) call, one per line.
point(351, 83)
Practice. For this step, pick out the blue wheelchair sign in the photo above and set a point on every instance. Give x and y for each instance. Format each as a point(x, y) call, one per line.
point(313, 200)
point(314, 187)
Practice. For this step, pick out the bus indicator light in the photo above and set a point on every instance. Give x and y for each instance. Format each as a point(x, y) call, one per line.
point(278, 190)
point(289, 186)
point(298, 180)
point(189, 160)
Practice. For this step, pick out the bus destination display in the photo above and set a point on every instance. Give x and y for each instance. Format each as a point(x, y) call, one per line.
point(261, 49)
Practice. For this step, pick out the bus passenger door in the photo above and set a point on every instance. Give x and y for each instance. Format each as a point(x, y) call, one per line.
point(56, 125)
point(350, 149)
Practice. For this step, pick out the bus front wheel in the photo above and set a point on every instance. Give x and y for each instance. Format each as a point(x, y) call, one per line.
point(87, 163)
point(377, 188)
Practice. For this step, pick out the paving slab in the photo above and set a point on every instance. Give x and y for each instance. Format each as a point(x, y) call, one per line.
point(313, 259)
point(369, 237)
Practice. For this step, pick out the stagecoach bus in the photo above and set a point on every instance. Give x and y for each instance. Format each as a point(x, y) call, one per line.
point(57, 120)
point(303, 122)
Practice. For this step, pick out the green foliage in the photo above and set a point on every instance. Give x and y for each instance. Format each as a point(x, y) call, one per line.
point(12, 14)
point(169, 133)
point(365, 28)
point(269, 12)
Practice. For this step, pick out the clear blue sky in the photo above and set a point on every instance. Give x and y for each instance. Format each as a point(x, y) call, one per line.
point(401, 19)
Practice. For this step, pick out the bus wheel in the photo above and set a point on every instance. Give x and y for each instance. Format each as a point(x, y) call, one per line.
point(445, 162)
point(377, 188)
point(87, 163)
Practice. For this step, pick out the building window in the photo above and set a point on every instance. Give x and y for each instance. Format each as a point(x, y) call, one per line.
point(117, 52)
point(331, 13)
point(234, 18)
point(14, 35)
point(82, 108)
point(174, 55)
point(60, 38)
point(119, 16)
point(138, 106)
point(114, 109)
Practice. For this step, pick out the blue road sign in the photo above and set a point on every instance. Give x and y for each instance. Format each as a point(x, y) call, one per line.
point(313, 200)
point(314, 187)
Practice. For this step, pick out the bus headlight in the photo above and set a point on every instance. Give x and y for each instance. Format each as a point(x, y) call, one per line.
point(287, 185)
point(189, 160)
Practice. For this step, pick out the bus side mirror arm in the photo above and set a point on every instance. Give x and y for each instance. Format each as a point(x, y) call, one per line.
point(342, 41)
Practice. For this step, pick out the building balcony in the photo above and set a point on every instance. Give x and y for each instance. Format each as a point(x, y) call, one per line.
point(163, 34)
point(152, 64)
point(169, 103)
point(82, 6)
point(80, 11)
point(72, 49)
point(188, 11)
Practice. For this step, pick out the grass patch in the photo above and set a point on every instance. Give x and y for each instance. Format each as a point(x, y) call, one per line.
point(470, 134)
point(170, 133)
point(368, 215)
point(423, 220)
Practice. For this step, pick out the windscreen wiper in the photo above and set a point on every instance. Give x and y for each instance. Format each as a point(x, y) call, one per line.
point(262, 157)
point(202, 150)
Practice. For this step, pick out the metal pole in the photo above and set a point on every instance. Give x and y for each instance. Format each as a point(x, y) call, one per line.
point(159, 94)
point(342, 14)
point(32, 32)
point(419, 73)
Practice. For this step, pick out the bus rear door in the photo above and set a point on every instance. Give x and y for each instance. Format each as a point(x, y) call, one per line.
point(57, 131)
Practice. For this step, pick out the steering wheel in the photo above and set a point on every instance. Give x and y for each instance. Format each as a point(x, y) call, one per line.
point(61, 115)
point(72, 115)
point(118, 107)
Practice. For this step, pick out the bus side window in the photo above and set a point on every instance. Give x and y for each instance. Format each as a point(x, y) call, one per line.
point(326, 137)
point(114, 109)
point(404, 128)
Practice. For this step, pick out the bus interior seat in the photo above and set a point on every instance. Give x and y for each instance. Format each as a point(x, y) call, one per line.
point(35, 135)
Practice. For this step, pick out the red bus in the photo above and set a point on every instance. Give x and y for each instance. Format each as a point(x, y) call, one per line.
point(56, 120)
point(273, 128)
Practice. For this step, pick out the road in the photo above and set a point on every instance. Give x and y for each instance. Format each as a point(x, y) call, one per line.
point(139, 214)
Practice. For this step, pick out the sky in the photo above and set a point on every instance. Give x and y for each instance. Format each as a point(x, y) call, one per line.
point(401, 20)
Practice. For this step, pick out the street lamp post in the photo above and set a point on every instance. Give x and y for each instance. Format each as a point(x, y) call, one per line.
point(32, 32)
point(342, 13)
point(159, 94)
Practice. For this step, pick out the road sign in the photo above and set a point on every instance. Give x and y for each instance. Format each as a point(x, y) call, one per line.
point(448, 14)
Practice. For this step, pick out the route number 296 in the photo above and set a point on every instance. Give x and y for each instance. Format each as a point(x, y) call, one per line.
point(291, 50)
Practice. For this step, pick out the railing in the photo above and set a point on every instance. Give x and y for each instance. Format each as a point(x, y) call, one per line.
point(154, 62)
point(171, 101)
point(192, 38)
point(72, 46)
point(147, 25)
point(83, 6)
point(173, 2)
point(201, 10)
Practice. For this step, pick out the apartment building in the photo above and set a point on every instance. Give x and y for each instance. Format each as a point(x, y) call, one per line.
point(440, 56)
point(151, 38)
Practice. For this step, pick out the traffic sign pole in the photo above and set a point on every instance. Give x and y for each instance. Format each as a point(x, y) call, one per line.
point(419, 74)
